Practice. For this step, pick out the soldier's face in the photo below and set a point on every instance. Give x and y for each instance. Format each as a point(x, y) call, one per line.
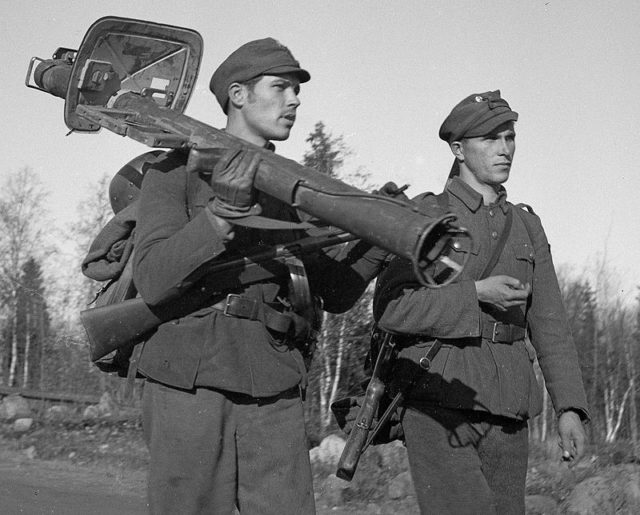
point(270, 110)
point(488, 158)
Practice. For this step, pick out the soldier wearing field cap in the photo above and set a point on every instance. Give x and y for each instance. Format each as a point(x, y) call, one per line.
point(222, 408)
point(465, 417)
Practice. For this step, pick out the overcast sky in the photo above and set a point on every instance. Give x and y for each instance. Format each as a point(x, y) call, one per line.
point(384, 75)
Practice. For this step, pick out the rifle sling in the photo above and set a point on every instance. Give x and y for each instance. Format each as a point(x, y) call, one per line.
point(426, 360)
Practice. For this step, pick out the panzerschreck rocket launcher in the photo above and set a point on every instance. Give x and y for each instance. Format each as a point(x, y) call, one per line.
point(135, 78)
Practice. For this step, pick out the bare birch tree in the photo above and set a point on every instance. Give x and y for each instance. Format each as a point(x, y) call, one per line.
point(32, 323)
point(340, 347)
point(21, 231)
point(617, 384)
point(631, 357)
point(330, 355)
point(613, 328)
point(327, 155)
point(74, 291)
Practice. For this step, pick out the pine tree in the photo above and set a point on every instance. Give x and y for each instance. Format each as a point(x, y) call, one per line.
point(327, 153)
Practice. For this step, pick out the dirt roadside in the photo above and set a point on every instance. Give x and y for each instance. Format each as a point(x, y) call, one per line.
point(33, 486)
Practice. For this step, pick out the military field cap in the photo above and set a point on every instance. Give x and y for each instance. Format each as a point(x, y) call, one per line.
point(476, 115)
point(260, 57)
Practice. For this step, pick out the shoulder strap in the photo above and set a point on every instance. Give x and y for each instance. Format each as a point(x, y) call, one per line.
point(524, 219)
point(443, 200)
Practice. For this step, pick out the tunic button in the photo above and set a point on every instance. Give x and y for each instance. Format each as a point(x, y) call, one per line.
point(494, 235)
point(491, 212)
point(456, 245)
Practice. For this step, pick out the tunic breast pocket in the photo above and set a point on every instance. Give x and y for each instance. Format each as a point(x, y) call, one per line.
point(459, 251)
point(525, 260)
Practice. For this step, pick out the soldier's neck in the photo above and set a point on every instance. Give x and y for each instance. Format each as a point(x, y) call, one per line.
point(489, 192)
point(236, 127)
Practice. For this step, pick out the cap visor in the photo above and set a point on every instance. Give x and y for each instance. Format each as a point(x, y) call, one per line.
point(303, 75)
point(491, 124)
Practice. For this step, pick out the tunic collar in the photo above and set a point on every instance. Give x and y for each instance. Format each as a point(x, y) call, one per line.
point(471, 198)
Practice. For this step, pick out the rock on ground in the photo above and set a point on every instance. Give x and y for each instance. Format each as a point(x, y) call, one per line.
point(14, 406)
point(331, 490)
point(22, 425)
point(540, 505)
point(329, 451)
point(614, 490)
point(400, 486)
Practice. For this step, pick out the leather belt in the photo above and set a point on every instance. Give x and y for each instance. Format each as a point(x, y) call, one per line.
point(239, 306)
point(498, 332)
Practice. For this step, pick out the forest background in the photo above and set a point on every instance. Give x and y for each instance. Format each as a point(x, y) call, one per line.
point(43, 345)
point(385, 75)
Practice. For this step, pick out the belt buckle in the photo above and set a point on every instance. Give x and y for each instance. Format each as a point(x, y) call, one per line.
point(495, 330)
point(227, 303)
point(246, 307)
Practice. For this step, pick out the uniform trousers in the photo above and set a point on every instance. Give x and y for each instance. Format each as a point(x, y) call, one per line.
point(212, 451)
point(466, 462)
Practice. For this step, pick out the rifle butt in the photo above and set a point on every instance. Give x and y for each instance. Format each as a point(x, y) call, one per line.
point(113, 326)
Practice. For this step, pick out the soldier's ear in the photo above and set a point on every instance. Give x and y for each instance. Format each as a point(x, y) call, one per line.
point(457, 150)
point(237, 94)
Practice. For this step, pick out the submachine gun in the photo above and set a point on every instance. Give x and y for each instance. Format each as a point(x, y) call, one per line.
point(135, 78)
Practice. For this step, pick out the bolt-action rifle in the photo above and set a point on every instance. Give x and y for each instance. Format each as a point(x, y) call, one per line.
point(113, 326)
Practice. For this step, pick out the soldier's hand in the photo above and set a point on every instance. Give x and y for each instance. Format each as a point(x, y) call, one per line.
point(572, 437)
point(502, 291)
point(232, 184)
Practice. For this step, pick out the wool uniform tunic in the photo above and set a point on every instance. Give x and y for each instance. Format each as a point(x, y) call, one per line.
point(485, 363)
point(176, 242)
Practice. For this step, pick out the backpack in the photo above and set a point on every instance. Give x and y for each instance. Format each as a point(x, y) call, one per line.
point(109, 258)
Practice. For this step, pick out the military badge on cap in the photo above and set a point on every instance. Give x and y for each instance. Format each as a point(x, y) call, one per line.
point(476, 115)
